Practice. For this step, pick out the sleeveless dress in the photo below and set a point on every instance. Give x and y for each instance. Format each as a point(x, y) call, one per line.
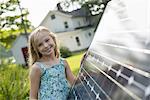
point(53, 84)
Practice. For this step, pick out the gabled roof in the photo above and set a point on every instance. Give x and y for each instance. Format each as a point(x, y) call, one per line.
point(82, 12)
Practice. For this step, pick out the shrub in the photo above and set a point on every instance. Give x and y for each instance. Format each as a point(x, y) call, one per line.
point(65, 52)
point(14, 84)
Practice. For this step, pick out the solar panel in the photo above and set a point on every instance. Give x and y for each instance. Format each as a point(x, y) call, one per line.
point(117, 64)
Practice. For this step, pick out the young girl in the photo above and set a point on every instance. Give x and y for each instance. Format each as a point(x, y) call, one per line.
point(49, 73)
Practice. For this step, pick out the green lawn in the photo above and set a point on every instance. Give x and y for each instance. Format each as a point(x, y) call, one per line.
point(74, 62)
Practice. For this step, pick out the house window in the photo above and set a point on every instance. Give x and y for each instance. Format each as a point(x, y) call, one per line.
point(66, 24)
point(52, 17)
point(85, 20)
point(78, 41)
point(79, 23)
point(89, 34)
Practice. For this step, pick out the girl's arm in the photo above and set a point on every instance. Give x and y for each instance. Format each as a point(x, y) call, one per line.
point(70, 77)
point(34, 82)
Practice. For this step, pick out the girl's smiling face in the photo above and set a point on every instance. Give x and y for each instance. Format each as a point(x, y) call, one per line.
point(45, 44)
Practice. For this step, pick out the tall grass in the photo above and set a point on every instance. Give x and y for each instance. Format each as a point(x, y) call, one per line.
point(14, 84)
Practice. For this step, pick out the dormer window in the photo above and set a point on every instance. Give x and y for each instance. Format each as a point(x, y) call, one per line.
point(52, 17)
point(66, 24)
point(89, 34)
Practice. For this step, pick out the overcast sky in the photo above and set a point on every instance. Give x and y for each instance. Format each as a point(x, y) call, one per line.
point(38, 9)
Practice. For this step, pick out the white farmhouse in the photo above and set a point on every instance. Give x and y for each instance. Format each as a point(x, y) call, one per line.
point(74, 29)
point(19, 50)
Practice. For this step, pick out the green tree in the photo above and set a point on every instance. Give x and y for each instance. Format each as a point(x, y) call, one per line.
point(13, 21)
point(94, 6)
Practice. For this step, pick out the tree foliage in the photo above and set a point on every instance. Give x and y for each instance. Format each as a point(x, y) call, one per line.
point(94, 6)
point(13, 21)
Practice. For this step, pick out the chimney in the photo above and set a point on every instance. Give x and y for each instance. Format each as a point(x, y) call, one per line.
point(59, 8)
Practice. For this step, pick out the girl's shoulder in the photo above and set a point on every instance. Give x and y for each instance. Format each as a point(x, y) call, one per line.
point(64, 61)
point(38, 66)
point(35, 70)
point(35, 66)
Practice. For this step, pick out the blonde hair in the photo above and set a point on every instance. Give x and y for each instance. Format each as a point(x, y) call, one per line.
point(34, 55)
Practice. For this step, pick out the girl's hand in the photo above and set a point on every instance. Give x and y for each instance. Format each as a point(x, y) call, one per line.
point(70, 77)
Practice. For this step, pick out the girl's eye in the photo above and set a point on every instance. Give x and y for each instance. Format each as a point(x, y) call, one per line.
point(40, 44)
point(46, 40)
point(51, 45)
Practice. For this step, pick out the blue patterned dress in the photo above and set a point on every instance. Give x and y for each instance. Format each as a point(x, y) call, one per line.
point(53, 84)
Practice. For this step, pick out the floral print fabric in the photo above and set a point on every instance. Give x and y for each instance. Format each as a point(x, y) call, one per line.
point(53, 85)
